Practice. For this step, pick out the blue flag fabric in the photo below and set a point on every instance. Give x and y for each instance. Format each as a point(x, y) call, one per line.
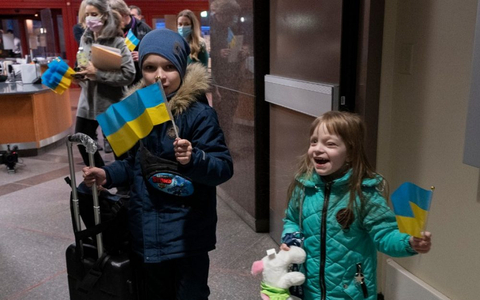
point(58, 76)
point(411, 204)
point(126, 122)
point(131, 40)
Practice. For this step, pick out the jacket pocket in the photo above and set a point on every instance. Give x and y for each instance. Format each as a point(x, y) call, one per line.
point(354, 284)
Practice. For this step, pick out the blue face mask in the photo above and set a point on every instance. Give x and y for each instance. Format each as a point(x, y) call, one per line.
point(184, 31)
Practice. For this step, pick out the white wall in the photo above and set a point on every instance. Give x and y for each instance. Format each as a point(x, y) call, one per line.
point(421, 132)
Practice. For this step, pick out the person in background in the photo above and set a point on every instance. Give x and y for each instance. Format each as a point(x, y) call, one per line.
point(172, 233)
point(137, 27)
point(226, 65)
point(17, 44)
point(339, 204)
point(79, 28)
point(188, 27)
point(136, 12)
point(100, 88)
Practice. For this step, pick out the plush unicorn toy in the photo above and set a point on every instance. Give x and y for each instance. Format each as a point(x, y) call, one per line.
point(276, 277)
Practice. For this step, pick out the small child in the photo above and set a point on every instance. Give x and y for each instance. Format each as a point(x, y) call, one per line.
point(337, 198)
point(172, 234)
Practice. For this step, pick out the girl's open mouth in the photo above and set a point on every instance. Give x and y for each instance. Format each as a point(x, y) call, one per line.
point(321, 161)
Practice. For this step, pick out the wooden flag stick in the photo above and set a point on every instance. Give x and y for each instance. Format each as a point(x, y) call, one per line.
point(168, 109)
point(432, 188)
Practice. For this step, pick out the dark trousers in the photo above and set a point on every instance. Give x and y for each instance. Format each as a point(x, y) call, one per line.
point(89, 127)
point(177, 279)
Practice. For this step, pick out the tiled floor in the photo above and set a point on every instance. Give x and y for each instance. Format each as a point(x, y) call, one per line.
point(35, 229)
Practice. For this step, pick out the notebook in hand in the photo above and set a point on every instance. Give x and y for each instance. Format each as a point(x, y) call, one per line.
point(106, 58)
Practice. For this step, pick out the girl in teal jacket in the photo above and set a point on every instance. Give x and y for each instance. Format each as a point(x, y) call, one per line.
point(337, 203)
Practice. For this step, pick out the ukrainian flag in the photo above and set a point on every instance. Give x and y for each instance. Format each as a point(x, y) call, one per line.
point(126, 122)
point(131, 40)
point(58, 76)
point(411, 204)
point(231, 40)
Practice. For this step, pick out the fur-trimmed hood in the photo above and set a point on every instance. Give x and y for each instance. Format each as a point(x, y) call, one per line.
point(195, 83)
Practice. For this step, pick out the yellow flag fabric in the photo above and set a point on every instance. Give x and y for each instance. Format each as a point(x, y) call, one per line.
point(58, 76)
point(126, 122)
point(411, 205)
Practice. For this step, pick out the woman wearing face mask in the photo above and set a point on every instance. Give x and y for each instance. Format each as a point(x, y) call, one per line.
point(101, 88)
point(188, 27)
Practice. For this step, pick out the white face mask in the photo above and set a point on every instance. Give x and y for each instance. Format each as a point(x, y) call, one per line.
point(95, 24)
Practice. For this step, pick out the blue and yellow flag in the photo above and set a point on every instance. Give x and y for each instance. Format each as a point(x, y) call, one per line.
point(131, 40)
point(231, 40)
point(411, 204)
point(133, 118)
point(58, 76)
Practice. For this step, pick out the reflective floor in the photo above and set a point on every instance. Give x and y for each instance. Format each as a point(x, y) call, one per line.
point(35, 230)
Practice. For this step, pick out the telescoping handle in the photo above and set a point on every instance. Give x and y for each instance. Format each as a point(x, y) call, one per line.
point(91, 148)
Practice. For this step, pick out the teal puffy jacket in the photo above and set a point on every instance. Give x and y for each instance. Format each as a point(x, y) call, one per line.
point(336, 256)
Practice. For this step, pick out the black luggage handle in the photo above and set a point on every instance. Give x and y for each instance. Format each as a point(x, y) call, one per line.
point(91, 148)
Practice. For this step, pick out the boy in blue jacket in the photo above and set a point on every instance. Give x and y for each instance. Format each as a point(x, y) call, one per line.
point(172, 234)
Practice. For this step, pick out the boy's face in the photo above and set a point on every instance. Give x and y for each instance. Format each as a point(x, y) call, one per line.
point(157, 68)
point(327, 152)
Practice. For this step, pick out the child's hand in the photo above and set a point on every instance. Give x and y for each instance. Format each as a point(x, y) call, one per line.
point(183, 150)
point(92, 175)
point(284, 247)
point(421, 245)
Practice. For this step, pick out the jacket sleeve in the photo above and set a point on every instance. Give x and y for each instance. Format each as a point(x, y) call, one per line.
point(126, 74)
point(211, 163)
point(120, 171)
point(203, 55)
point(291, 220)
point(381, 224)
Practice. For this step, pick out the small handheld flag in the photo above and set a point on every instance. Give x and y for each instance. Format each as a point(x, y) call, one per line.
point(131, 40)
point(411, 204)
point(231, 40)
point(58, 76)
point(133, 118)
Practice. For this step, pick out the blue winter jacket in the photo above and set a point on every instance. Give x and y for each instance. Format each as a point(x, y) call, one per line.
point(336, 256)
point(165, 226)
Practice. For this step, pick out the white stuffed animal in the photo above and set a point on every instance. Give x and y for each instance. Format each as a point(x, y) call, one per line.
point(274, 269)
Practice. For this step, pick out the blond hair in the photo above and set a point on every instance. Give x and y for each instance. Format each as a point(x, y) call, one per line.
point(196, 41)
point(351, 129)
point(81, 14)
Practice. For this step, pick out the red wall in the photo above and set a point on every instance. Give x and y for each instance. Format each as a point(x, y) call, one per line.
point(150, 8)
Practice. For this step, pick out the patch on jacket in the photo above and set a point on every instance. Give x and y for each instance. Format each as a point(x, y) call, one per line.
point(345, 218)
point(171, 132)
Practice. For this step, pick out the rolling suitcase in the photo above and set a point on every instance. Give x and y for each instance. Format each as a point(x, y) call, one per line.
point(93, 272)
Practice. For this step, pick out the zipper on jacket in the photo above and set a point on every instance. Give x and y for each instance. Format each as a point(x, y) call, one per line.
point(323, 238)
point(360, 279)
